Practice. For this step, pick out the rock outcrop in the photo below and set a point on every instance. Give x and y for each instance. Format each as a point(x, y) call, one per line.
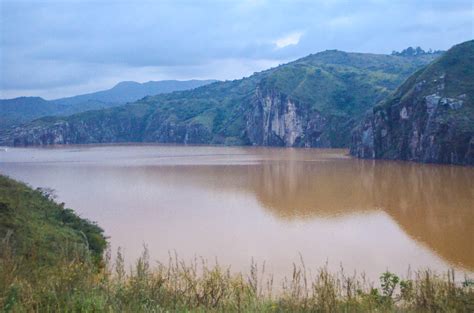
point(277, 120)
point(430, 118)
point(103, 129)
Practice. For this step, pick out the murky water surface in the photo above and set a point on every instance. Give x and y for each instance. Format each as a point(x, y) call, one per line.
point(269, 204)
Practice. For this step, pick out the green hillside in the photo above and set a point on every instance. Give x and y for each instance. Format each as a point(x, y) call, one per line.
point(25, 109)
point(314, 101)
point(42, 231)
point(430, 118)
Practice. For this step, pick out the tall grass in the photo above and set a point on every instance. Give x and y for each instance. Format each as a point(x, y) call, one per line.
point(77, 285)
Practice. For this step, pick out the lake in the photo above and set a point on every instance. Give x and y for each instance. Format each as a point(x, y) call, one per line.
point(235, 204)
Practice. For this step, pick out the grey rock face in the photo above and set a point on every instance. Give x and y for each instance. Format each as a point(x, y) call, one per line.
point(277, 120)
point(429, 129)
point(432, 102)
point(274, 120)
point(363, 134)
point(429, 118)
point(105, 130)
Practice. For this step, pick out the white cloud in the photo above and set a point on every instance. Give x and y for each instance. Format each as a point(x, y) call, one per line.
point(288, 40)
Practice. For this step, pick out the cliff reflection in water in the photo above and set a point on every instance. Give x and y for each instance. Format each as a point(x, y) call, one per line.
point(433, 204)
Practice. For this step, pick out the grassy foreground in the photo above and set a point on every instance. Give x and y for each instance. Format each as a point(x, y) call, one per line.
point(53, 261)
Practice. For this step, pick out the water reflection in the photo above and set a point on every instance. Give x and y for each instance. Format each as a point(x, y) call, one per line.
point(199, 198)
point(433, 204)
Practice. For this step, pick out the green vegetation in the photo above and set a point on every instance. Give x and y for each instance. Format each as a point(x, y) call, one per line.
point(77, 286)
point(438, 125)
point(42, 232)
point(51, 261)
point(450, 75)
point(25, 109)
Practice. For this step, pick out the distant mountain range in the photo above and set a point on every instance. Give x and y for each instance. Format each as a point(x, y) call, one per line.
point(314, 101)
point(23, 109)
point(129, 91)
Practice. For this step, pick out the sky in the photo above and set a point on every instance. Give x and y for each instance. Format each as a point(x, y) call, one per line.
point(62, 48)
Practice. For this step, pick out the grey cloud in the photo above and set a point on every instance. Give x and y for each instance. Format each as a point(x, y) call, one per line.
point(49, 44)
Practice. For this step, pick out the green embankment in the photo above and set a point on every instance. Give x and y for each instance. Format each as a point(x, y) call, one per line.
point(51, 260)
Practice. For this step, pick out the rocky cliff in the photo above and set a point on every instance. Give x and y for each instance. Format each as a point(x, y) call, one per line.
point(275, 119)
point(430, 118)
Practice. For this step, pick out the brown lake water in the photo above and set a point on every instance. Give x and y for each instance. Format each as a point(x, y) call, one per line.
point(233, 204)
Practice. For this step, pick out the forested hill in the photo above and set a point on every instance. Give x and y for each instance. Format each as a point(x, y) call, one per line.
point(430, 118)
point(314, 101)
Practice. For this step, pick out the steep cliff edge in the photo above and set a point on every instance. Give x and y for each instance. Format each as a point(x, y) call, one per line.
point(312, 102)
point(276, 119)
point(430, 118)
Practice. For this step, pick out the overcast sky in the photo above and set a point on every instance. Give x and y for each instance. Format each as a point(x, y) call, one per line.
point(60, 48)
